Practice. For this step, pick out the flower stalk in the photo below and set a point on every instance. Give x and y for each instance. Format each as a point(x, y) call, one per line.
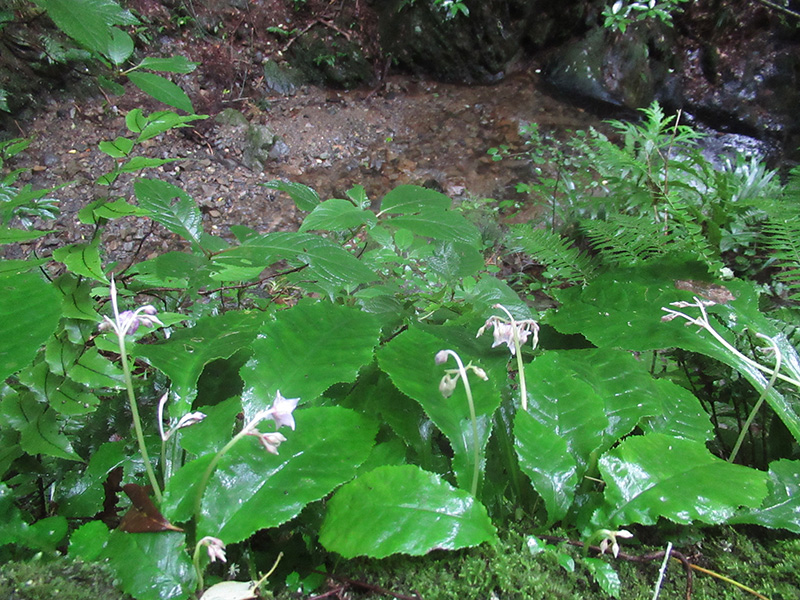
point(280, 412)
point(447, 386)
point(513, 334)
point(123, 324)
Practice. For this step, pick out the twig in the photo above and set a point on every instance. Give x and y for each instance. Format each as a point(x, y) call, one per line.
point(662, 570)
point(368, 586)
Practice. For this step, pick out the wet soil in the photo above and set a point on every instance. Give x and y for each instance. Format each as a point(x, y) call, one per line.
point(408, 131)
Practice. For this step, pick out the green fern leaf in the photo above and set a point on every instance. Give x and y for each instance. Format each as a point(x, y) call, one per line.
point(567, 263)
point(627, 240)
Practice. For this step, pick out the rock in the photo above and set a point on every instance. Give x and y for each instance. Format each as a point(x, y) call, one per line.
point(258, 143)
point(627, 70)
point(281, 80)
point(329, 59)
point(231, 116)
point(470, 49)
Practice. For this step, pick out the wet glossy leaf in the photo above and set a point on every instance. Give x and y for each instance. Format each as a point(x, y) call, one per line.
point(337, 215)
point(652, 476)
point(437, 224)
point(545, 459)
point(65, 395)
point(410, 199)
point(121, 46)
point(183, 356)
point(409, 360)
point(162, 89)
point(568, 406)
point(622, 309)
point(781, 507)
point(253, 489)
point(76, 302)
point(96, 371)
point(29, 312)
point(87, 21)
point(150, 566)
point(38, 425)
point(170, 206)
point(307, 349)
point(82, 259)
point(171, 64)
point(410, 511)
point(304, 197)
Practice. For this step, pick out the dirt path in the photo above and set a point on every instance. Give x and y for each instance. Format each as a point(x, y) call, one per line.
point(412, 131)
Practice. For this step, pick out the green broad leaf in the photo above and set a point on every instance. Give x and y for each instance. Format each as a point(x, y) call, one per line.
point(328, 263)
point(96, 371)
point(64, 395)
point(410, 199)
point(438, 224)
point(305, 198)
point(213, 432)
point(150, 566)
point(136, 120)
point(121, 46)
point(110, 85)
point(9, 235)
point(781, 507)
point(88, 541)
point(410, 511)
point(162, 89)
point(623, 309)
point(544, 457)
point(307, 349)
point(82, 259)
point(183, 356)
point(567, 405)
point(488, 291)
point(631, 396)
point(337, 215)
point(119, 148)
point(605, 576)
point(175, 269)
point(409, 361)
point(358, 195)
point(39, 427)
point(159, 122)
point(45, 534)
point(252, 489)
point(172, 64)
point(88, 22)
point(104, 208)
point(652, 476)
point(170, 206)
point(76, 300)
point(30, 309)
point(453, 261)
point(10, 267)
point(137, 163)
point(81, 495)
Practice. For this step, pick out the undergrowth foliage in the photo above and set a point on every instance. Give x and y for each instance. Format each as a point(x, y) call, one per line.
point(349, 379)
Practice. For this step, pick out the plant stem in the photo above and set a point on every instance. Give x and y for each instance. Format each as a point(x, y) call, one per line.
point(476, 441)
point(198, 502)
point(751, 417)
point(137, 422)
point(523, 388)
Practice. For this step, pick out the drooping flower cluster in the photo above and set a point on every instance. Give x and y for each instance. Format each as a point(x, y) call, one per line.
point(451, 376)
point(215, 547)
point(610, 539)
point(127, 322)
point(281, 413)
point(504, 330)
point(187, 420)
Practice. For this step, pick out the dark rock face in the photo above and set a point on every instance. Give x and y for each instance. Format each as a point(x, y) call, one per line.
point(628, 69)
point(327, 58)
point(467, 49)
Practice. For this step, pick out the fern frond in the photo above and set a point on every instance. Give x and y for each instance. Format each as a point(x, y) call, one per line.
point(782, 237)
point(685, 227)
point(567, 262)
point(626, 240)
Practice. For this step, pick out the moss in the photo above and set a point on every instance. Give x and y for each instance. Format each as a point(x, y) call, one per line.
point(764, 561)
point(56, 578)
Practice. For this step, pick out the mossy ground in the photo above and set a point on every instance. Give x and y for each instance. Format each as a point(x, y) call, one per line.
point(767, 562)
